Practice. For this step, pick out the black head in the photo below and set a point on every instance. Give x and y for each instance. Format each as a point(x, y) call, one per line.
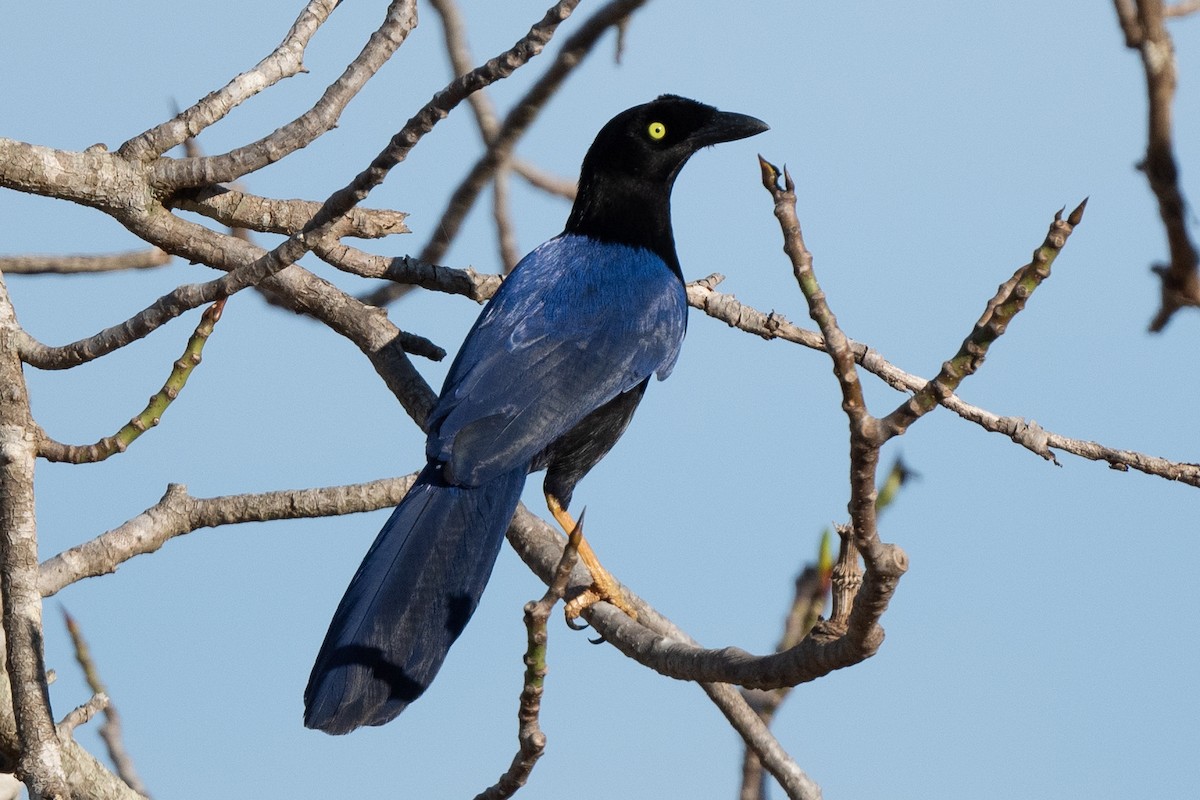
point(626, 179)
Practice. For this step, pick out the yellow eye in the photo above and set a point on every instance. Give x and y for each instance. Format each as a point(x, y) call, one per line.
point(657, 130)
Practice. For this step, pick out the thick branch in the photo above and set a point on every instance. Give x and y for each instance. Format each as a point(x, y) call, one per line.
point(41, 760)
point(236, 209)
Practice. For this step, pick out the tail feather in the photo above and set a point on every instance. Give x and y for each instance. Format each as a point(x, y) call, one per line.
point(410, 599)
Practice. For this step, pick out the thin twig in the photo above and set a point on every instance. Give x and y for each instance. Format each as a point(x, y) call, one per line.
point(516, 123)
point(532, 741)
point(110, 730)
point(1009, 300)
point(173, 174)
point(485, 115)
point(856, 611)
point(728, 309)
point(1144, 26)
point(74, 264)
point(151, 415)
point(286, 60)
point(81, 715)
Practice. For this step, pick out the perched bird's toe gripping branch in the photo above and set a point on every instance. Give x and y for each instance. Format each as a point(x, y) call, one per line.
point(547, 379)
point(604, 586)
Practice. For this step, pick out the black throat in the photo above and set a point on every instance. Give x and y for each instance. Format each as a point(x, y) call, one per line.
point(626, 209)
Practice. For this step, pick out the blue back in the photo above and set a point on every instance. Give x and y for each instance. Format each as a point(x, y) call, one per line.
point(576, 323)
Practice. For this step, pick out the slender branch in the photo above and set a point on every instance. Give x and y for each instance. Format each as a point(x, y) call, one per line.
point(759, 740)
point(485, 115)
point(506, 235)
point(284, 62)
point(540, 546)
point(566, 188)
point(860, 593)
point(1144, 26)
point(81, 715)
point(531, 739)
point(1009, 300)
point(63, 265)
point(151, 415)
point(171, 174)
point(520, 118)
point(1028, 434)
point(500, 148)
point(1182, 8)
point(455, 33)
point(110, 730)
point(178, 513)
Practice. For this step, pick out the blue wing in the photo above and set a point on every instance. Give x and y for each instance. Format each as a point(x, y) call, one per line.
point(576, 323)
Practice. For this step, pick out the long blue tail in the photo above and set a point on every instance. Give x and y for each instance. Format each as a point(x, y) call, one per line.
point(410, 599)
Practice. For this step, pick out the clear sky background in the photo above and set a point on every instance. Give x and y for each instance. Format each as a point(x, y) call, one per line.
point(1043, 643)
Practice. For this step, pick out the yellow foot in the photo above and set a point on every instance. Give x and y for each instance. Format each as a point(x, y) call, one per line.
point(604, 586)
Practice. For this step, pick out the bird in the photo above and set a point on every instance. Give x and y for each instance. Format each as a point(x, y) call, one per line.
point(548, 378)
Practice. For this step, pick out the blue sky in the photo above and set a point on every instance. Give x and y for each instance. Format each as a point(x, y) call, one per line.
point(1042, 644)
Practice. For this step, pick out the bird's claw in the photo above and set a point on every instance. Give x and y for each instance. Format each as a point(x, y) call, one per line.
point(604, 588)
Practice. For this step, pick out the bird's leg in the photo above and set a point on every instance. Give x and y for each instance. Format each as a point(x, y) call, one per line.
point(604, 585)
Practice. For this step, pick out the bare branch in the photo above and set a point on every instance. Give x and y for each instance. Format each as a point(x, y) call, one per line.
point(856, 611)
point(284, 62)
point(1182, 8)
point(41, 168)
point(237, 209)
point(485, 115)
point(178, 513)
point(553, 184)
point(152, 414)
point(110, 730)
point(506, 235)
point(81, 715)
point(170, 174)
point(62, 265)
point(478, 286)
point(500, 148)
point(1028, 434)
point(529, 733)
point(40, 760)
point(1009, 300)
point(1144, 26)
point(540, 546)
point(461, 60)
point(759, 739)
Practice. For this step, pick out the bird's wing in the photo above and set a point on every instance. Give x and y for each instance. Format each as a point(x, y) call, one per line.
point(577, 323)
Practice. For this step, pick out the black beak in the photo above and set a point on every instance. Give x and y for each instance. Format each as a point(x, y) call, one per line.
point(727, 127)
